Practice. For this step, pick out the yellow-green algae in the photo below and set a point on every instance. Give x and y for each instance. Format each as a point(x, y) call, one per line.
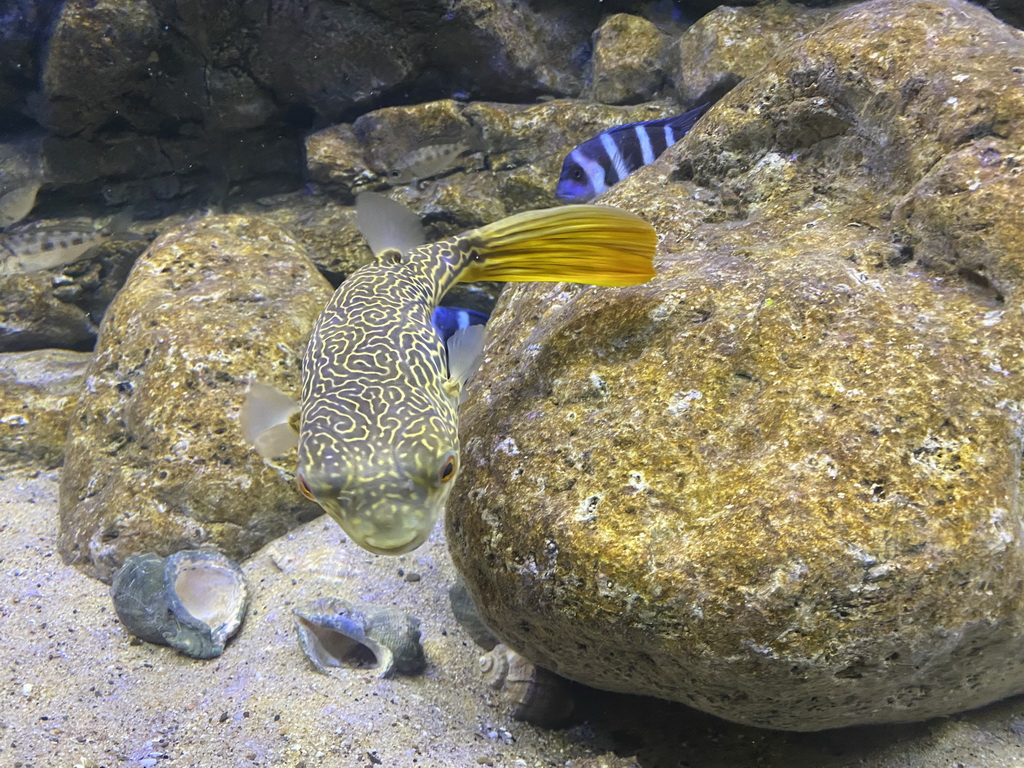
point(155, 459)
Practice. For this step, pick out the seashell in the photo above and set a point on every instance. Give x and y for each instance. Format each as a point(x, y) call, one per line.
point(537, 695)
point(468, 617)
point(335, 633)
point(193, 600)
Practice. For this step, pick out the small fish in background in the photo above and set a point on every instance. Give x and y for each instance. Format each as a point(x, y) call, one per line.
point(16, 203)
point(598, 163)
point(433, 160)
point(37, 247)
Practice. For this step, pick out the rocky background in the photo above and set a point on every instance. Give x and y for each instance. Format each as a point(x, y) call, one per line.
point(779, 483)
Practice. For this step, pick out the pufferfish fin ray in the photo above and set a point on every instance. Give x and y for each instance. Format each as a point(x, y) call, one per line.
point(276, 441)
point(465, 353)
point(387, 225)
point(593, 244)
point(267, 420)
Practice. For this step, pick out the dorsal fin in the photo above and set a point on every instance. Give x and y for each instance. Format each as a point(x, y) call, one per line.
point(387, 225)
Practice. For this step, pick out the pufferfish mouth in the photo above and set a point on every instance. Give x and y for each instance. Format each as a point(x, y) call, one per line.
point(384, 527)
point(410, 530)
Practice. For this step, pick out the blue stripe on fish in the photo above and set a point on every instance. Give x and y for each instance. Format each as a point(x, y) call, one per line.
point(448, 320)
point(608, 158)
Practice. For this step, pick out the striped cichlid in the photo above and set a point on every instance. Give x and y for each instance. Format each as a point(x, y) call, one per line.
point(608, 158)
point(378, 434)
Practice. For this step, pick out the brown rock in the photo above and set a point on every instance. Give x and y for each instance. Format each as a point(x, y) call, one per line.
point(62, 307)
point(780, 482)
point(330, 56)
point(731, 43)
point(629, 60)
point(37, 392)
point(325, 228)
point(34, 318)
point(155, 456)
point(98, 51)
point(514, 51)
point(334, 158)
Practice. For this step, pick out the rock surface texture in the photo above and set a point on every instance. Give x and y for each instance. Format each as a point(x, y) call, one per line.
point(155, 457)
point(37, 391)
point(731, 43)
point(780, 482)
point(629, 60)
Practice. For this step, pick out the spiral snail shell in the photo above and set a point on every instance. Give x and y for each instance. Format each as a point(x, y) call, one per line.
point(536, 695)
point(335, 633)
point(193, 600)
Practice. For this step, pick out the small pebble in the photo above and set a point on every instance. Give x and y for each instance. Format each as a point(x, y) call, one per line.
point(412, 576)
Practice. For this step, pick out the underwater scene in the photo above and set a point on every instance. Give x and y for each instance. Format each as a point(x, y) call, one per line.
point(512, 383)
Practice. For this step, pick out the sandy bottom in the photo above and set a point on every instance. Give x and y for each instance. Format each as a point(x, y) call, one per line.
point(77, 690)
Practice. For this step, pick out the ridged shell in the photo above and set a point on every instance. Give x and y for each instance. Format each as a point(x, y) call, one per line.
point(334, 633)
point(536, 695)
point(193, 601)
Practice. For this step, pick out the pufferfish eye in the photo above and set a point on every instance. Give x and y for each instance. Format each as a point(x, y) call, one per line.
point(304, 488)
point(448, 466)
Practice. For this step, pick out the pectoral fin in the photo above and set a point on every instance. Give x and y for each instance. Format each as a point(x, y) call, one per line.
point(268, 420)
point(465, 353)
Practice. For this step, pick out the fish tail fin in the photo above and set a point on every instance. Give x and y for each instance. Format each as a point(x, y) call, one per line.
point(593, 244)
point(118, 223)
point(682, 124)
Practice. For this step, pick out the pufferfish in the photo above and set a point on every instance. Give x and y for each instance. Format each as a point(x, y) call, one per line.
point(378, 435)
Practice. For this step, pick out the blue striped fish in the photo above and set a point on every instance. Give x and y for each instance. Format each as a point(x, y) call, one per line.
point(448, 320)
point(612, 155)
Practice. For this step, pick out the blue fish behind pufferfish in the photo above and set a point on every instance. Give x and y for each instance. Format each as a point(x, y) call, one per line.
point(612, 155)
point(448, 320)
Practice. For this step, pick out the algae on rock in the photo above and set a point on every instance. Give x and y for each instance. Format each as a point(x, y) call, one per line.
point(155, 459)
point(780, 482)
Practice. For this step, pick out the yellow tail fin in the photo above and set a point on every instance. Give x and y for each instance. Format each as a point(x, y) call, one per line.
point(593, 244)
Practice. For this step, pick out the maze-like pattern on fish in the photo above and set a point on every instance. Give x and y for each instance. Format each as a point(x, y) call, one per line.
point(376, 417)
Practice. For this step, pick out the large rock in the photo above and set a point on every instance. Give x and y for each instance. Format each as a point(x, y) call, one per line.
point(189, 100)
point(155, 457)
point(628, 65)
point(781, 481)
point(731, 43)
point(98, 53)
point(513, 51)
